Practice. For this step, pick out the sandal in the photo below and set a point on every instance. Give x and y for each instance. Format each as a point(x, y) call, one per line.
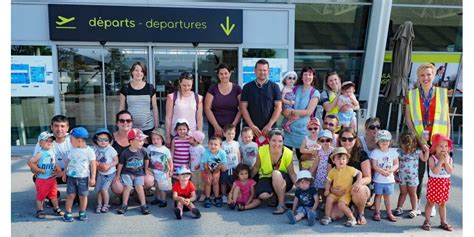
point(105, 208)
point(40, 214)
point(446, 226)
point(58, 212)
point(412, 214)
point(398, 211)
point(350, 223)
point(326, 220)
point(98, 208)
point(241, 207)
point(361, 219)
point(426, 226)
point(376, 216)
point(279, 210)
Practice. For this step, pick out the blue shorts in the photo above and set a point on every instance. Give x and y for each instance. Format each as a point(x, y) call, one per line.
point(133, 180)
point(104, 181)
point(79, 186)
point(383, 189)
point(304, 210)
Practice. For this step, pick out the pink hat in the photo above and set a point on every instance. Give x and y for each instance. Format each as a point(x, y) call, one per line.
point(136, 133)
point(197, 135)
point(313, 121)
point(437, 138)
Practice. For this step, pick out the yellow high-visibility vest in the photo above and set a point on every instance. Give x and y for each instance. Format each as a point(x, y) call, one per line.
point(441, 117)
point(332, 96)
point(266, 167)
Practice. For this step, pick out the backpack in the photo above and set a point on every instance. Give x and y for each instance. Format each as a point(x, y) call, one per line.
point(150, 91)
point(310, 95)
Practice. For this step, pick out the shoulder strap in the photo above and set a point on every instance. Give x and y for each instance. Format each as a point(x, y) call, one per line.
point(311, 93)
point(294, 89)
point(196, 97)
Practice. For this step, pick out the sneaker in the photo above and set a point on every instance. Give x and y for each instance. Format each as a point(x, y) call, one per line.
point(433, 211)
point(122, 209)
point(224, 199)
point(196, 213)
point(350, 223)
point(68, 217)
point(155, 201)
point(291, 217)
point(207, 203)
point(326, 220)
point(83, 216)
point(163, 203)
point(418, 209)
point(145, 209)
point(218, 202)
point(177, 212)
point(311, 217)
point(398, 211)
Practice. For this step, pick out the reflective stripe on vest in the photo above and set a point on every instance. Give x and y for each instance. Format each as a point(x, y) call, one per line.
point(266, 167)
point(440, 123)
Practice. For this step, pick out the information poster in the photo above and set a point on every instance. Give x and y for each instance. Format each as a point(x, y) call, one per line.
point(278, 66)
point(32, 76)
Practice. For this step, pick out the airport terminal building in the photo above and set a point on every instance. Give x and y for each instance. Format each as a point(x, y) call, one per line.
point(72, 57)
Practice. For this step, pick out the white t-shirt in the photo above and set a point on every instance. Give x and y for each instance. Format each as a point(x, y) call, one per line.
point(384, 161)
point(106, 156)
point(159, 158)
point(61, 151)
point(249, 153)
point(195, 152)
point(79, 161)
point(231, 150)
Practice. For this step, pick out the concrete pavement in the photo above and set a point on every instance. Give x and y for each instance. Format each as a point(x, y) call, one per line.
point(214, 221)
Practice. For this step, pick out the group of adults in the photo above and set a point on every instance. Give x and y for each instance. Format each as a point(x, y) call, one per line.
point(259, 105)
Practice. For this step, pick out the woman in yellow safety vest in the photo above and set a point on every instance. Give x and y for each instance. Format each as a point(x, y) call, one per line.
point(426, 114)
point(276, 174)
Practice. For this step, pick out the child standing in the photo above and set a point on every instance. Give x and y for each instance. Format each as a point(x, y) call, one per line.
point(107, 161)
point(161, 164)
point(196, 150)
point(80, 172)
point(232, 151)
point(320, 169)
point(340, 178)
point(408, 171)
point(288, 96)
point(184, 194)
point(248, 148)
point(243, 189)
point(347, 103)
point(384, 163)
point(440, 169)
point(180, 144)
point(132, 167)
point(44, 164)
point(305, 201)
point(310, 147)
point(212, 163)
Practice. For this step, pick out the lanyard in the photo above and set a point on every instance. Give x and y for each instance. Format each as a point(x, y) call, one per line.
point(426, 105)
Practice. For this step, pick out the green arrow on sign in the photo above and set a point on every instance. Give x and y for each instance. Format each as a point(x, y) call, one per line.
point(228, 28)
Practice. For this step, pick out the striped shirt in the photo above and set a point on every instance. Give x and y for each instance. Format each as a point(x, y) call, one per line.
point(138, 103)
point(181, 155)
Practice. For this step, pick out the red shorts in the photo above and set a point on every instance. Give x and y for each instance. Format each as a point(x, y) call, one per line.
point(438, 190)
point(46, 188)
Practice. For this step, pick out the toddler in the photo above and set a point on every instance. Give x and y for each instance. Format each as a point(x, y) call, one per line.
point(180, 144)
point(339, 185)
point(347, 103)
point(107, 160)
point(440, 169)
point(132, 167)
point(44, 164)
point(80, 171)
point(305, 201)
point(384, 163)
point(248, 148)
point(161, 165)
point(243, 189)
point(407, 174)
point(288, 95)
point(310, 147)
point(196, 150)
point(212, 164)
point(320, 169)
point(184, 194)
point(232, 151)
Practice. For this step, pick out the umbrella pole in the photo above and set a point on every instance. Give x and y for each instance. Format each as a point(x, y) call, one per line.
point(389, 114)
point(399, 119)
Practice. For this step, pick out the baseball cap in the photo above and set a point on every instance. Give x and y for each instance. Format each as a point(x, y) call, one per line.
point(437, 138)
point(161, 132)
point(198, 136)
point(339, 150)
point(383, 135)
point(79, 132)
point(325, 133)
point(183, 170)
point(136, 133)
point(181, 120)
point(45, 136)
point(313, 121)
point(303, 174)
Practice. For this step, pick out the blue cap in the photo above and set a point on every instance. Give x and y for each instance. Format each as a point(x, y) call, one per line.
point(79, 132)
point(325, 133)
point(102, 130)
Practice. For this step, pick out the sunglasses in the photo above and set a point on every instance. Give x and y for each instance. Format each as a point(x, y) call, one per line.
point(345, 139)
point(329, 124)
point(291, 78)
point(313, 129)
point(125, 120)
point(103, 140)
point(373, 127)
point(325, 140)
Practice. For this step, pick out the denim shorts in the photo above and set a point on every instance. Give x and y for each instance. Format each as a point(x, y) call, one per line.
point(104, 181)
point(133, 180)
point(304, 210)
point(79, 186)
point(383, 188)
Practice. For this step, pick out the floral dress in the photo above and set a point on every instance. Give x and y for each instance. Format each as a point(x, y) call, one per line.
point(322, 171)
point(408, 168)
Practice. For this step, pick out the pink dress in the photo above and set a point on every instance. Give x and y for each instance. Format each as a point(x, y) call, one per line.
point(245, 190)
point(184, 107)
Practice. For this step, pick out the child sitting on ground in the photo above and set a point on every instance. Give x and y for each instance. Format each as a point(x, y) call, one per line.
point(44, 164)
point(346, 104)
point(184, 194)
point(232, 151)
point(305, 201)
point(80, 171)
point(339, 185)
point(212, 164)
point(248, 148)
point(195, 151)
point(161, 164)
point(243, 189)
point(107, 161)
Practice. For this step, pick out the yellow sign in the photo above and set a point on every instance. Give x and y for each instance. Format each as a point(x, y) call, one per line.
point(64, 20)
point(227, 28)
